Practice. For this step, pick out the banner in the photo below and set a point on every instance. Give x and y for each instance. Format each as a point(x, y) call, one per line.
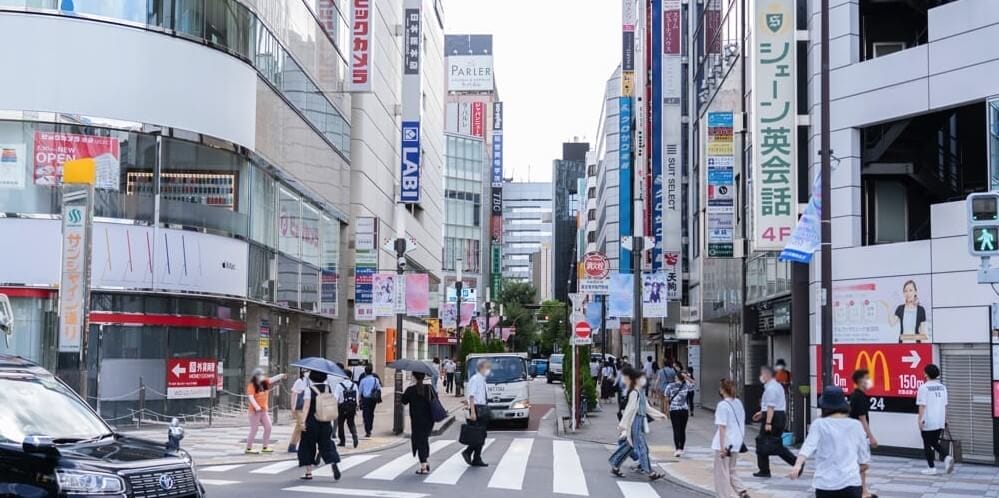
point(625, 181)
point(888, 310)
point(383, 294)
point(365, 266)
point(593, 315)
point(479, 119)
point(622, 289)
point(775, 125)
point(52, 150)
point(13, 161)
point(418, 294)
point(806, 237)
point(672, 160)
point(720, 185)
point(328, 294)
point(73, 288)
point(654, 295)
point(896, 372)
point(412, 104)
point(360, 56)
point(450, 314)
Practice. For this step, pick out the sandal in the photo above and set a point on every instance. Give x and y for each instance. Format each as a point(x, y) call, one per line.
point(744, 494)
point(616, 472)
point(655, 476)
point(307, 476)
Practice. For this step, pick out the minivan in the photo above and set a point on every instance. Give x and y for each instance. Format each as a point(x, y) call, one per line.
point(555, 367)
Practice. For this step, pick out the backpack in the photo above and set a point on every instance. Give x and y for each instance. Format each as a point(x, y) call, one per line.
point(326, 406)
point(349, 397)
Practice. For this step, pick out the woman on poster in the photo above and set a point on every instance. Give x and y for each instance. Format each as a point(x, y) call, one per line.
point(910, 316)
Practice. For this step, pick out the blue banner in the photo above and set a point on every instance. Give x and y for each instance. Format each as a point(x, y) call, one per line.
point(497, 159)
point(622, 288)
point(806, 236)
point(593, 315)
point(409, 192)
point(656, 135)
point(625, 183)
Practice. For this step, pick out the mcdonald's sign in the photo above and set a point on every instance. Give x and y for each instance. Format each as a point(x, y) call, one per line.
point(896, 369)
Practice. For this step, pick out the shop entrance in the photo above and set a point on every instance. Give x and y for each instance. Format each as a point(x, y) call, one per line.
point(313, 343)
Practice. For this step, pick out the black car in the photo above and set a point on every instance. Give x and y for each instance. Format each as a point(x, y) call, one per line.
point(52, 444)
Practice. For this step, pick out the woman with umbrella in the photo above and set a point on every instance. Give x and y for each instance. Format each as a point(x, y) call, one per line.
point(317, 435)
point(419, 397)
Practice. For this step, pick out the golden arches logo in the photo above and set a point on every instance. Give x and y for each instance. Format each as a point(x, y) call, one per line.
point(872, 361)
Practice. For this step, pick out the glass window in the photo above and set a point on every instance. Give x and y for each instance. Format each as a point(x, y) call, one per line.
point(199, 186)
point(309, 300)
point(310, 235)
point(263, 212)
point(189, 17)
point(259, 273)
point(228, 25)
point(288, 281)
point(290, 214)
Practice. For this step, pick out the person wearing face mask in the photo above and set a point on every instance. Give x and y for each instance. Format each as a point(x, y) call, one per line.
point(772, 418)
point(860, 407)
point(781, 373)
point(258, 392)
point(634, 426)
point(478, 410)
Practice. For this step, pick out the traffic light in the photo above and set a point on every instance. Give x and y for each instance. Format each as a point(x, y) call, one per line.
point(983, 224)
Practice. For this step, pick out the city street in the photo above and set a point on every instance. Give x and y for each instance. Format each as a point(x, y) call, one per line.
point(533, 463)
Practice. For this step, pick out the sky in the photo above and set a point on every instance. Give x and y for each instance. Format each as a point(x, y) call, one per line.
point(552, 59)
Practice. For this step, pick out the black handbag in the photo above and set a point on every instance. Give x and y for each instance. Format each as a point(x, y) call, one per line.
point(472, 435)
point(437, 410)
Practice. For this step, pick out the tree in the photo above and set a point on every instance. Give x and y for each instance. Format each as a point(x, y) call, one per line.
point(470, 343)
point(514, 298)
point(553, 312)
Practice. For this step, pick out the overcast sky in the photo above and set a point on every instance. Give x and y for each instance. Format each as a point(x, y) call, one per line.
point(551, 59)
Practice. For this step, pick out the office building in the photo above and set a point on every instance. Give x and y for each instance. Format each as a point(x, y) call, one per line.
point(527, 225)
point(566, 204)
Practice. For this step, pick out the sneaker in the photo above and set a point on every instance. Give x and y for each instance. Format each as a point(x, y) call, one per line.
point(761, 474)
point(930, 471)
point(251, 451)
point(267, 450)
point(680, 451)
point(676, 453)
point(949, 464)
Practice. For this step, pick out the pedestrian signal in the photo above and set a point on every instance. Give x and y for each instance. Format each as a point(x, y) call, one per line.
point(983, 224)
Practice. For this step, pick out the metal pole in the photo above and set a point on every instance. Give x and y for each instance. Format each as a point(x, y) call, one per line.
point(603, 325)
point(489, 330)
point(636, 322)
point(458, 284)
point(142, 403)
point(400, 268)
point(827, 335)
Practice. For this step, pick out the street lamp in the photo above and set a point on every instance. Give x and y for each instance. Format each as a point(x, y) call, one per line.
point(457, 322)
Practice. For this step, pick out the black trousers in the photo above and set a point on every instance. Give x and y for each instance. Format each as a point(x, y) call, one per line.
point(778, 448)
point(317, 444)
point(481, 420)
point(931, 442)
point(449, 381)
point(421, 446)
point(678, 418)
point(346, 417)
point(368, 414)
point(850, 492)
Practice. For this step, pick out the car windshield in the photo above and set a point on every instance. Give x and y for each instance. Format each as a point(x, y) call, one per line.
point(504, 369)
point(42, 406)
point(556, 358)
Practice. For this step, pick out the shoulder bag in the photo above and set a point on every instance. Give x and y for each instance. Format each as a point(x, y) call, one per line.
point(437, 410)
point(743, 448)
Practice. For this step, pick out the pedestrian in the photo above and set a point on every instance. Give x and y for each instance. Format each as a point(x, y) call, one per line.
point(665, 377)
point(371, 394)
point(634, 426)
point(840, 448)
point(421, 421)
point(345, 392)
point(449, 368)
point(781, 373)
point(931, 398)
point(647, 368)
point(860, 411)
point(595, 368)
point(772, 418)
point(317, 437)
point(676, 396)
point(259, 390)
point(298, 400)
point(692, 390)
point(478, 410)
point(608, 376)
point(729, 441)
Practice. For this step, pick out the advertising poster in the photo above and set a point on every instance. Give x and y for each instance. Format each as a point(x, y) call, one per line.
point(479, 119)
point(365, 265)
point(654, 295)
point(418, 294)
point(191, 378)
point(264, 343)
point(358, 342)
point(73, 288)
point(327, 303)
point(593, 315)
point(720, 193)
point(806, 237)
point(52, 150)
point(888, 310)
point(383, 294)
point(621, 291)
point(896, 372)
point(12, 166)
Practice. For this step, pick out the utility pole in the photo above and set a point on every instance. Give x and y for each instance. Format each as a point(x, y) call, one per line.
point(603, 325)
point(400, 269)
point(458, 284)
point(826, 297)
point(637, 241)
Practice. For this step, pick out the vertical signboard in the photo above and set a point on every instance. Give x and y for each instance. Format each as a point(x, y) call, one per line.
point(497, 175)
point(360, 52)
point(74, 284)
point(628, 17)
point(775, 195)
point(671, 160)
point(365, 265)
point(479, 119)
point(496, 270)
point(720, 185)
point(409, 179)
point(624, 180)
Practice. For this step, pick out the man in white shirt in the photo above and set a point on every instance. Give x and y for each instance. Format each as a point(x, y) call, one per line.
point(932, 402)
point(773, 418)
point(478, 410)
point(449, 368)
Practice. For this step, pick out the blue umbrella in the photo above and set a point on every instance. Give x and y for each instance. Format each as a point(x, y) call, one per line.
point(316, 364)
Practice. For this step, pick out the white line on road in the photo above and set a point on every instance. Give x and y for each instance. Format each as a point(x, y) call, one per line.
point(217, 482)
point(345, 464)
point(637, 489)
point(453, 468)
point(355, 492)
point(567, 472)
point(396, 467)
point(220, 468)
point(276, 467)
point(512, 467)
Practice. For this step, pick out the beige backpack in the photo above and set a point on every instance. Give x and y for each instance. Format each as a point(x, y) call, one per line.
point(326, 405)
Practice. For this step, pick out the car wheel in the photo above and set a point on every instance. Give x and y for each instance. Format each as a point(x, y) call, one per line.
point(524, 424)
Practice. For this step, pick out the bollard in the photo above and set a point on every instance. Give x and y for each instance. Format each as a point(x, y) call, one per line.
point(142, 403)
point(211, 406)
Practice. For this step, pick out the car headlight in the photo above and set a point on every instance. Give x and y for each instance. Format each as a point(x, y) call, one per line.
point(91, 483)
point(520, 405)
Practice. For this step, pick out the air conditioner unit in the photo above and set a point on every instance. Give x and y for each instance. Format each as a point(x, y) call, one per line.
point(882, 49)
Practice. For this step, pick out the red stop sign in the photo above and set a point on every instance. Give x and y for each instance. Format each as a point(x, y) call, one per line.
point(583, 330)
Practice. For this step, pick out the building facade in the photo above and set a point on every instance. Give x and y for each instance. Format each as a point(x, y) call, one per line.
point(567, 201)
point(527, 225)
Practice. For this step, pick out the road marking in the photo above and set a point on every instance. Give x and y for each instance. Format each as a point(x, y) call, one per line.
point(345, 464)
point(355, 492)
point(567, 472)
point(453, 468)
point(548, 414)
point(217, 482)
point(396, 467)
point(276, 467)
point(510, 472)
point(220, 468)
point(637, 489)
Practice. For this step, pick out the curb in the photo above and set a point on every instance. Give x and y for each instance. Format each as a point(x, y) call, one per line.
point(679, 482)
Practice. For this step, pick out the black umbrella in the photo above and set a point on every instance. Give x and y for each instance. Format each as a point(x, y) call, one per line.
point(414, 366)
point(323, 365)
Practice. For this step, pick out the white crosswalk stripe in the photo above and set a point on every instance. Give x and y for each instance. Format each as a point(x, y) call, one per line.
point(637, 490)
point(345, 464)
point(510, 472)
point(276, 467)
point(396, 467)
point(453, 468)
point(354, 492)
point(221, 468)
point(567, 470)
point(217, 482)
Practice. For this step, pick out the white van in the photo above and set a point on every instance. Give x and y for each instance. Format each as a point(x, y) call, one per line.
point(507, 385)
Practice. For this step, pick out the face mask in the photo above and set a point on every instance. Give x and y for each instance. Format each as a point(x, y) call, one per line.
point(486, 372)
point(763, 380)
point(868, 383)
point(642, 382)
point(779, 368)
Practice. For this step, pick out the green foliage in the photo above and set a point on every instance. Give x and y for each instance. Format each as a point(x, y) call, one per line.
point(554, 329)
point(588, 385)
point(514, 298)
point(495, 346)
point(470, 343)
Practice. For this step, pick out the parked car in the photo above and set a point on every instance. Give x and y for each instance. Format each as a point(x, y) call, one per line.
point(53, 444)
point(539, 366)
point(555, 367)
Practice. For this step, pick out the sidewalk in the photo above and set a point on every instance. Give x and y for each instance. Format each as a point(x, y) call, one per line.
point(890, 477)
point(225, 442)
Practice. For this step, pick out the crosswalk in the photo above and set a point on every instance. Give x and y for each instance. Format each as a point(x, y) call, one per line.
point(518, 464)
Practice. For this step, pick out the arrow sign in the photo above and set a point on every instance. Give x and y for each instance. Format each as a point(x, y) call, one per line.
point(838, 359)
point(178, 371)
point(913, 359)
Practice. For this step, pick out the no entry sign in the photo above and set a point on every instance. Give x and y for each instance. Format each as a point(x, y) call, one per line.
point(582, 334)
point(191, 378)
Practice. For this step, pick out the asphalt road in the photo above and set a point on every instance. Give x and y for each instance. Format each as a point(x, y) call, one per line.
point(533, 462)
